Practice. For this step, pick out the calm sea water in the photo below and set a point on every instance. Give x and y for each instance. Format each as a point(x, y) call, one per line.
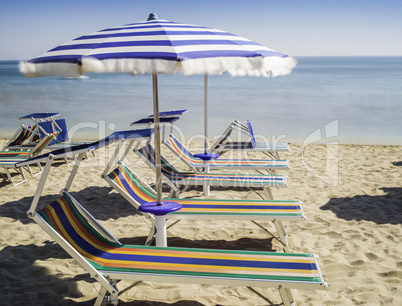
point(325, 99)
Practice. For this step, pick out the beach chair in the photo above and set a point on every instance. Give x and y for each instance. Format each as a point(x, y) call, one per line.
point(32, 133)
point(137, 192)
point(197, 164)
point(168, 117)
point(223, 145)
point(23, 135)
point(108, 261)
point(62, 140)
point(9, 159)
point(176, 179)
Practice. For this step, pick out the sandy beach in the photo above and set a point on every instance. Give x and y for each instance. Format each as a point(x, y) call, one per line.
point(352, 197)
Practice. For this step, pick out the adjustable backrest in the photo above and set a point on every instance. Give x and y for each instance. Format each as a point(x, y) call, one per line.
point(250, 128)
point(221, 140)
point(43, 143)
point(125, 179)
point(23, 134)
point(148, 153)
point(179, 148)
point(63, 215)
point(48, 127)
point(63, 135)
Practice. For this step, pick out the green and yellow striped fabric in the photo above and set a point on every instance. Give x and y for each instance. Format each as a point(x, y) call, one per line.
point(221, 163)
point(44, 143)
point(214, 179)
point(123, 177)
point(10, 158)
point(25, 133)
point(105, 255)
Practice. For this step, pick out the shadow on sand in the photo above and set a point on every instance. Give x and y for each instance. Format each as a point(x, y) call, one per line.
point(24, 281)
point(383, 209)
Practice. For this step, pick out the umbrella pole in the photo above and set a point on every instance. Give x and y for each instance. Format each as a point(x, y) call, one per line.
point(206, 113)
point(206, 188)
point(157, 139)
point(159, 209)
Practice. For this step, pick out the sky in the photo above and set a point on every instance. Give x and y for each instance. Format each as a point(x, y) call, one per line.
point(295, 27)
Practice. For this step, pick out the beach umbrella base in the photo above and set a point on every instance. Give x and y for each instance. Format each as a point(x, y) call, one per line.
point(159, 210)
point(206, 157)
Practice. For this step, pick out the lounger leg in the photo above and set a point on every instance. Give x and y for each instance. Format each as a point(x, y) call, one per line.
point(24, 179)
point(10, 178)
point(268, 193)
point(35, 174)
point(102, 298)
point(175, 192)
point(151, 235)
point(287, 297)
point(282, 234)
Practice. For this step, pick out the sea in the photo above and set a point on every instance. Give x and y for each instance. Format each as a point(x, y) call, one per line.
point(345, 100)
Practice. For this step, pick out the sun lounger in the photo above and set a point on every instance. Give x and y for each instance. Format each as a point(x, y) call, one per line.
point(23, 135)
point(28, 136)
point(223, 145)
point(62, 140)
point(137, 192)
point(197, 164)
point(172, 113)
point(130, 135)
point(8, 159)
point(175, 178)
point(108, 261)
point(169, 117)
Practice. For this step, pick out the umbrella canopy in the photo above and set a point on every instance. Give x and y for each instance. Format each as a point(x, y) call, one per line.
point(159, 46)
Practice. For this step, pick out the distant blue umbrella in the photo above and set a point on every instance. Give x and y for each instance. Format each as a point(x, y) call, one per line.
point(159, 46)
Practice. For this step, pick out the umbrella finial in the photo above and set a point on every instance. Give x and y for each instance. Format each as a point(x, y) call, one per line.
point(152, 16)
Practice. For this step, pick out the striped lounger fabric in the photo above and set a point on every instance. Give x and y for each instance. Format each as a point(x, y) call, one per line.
point(10, 158)
point(126, 183)
point(180, 150)
point(123, 177)
point(23, 134)
point(224, 267)
point(214, 179)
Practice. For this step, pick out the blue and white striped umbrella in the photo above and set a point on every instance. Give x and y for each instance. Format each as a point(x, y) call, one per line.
point(159, 46)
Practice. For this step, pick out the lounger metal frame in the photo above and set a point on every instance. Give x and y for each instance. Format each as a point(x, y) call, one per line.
point(195, 164)
point(39, 147)
point(210, 213)
point(175, 184)
point(222, 145)
point(108, 279)
point(37, 129)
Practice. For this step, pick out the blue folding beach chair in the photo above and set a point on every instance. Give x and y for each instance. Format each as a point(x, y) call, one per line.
point(168, 117)
point(63, 139)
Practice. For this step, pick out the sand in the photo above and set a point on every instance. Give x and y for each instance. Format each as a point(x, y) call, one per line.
point(352, 197)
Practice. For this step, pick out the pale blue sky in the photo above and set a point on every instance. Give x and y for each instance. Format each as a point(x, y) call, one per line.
point(296, 27)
